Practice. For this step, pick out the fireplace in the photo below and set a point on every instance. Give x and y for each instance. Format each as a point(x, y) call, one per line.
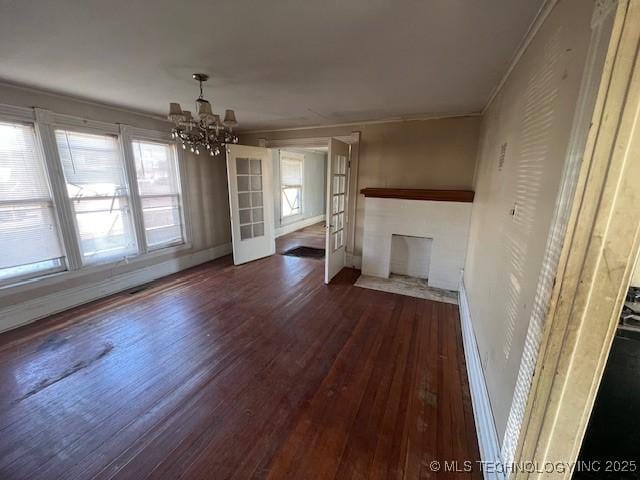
point(410, 256)
point(418, 233)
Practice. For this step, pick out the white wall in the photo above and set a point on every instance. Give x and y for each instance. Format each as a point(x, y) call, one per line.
point(206, 198)
point(530, 120)
point(447, 223)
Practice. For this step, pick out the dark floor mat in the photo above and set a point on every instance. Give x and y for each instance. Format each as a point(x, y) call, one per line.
point(305, 252)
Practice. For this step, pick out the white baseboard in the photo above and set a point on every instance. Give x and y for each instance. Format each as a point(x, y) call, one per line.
point(485, 424)
point(29, 311)
point(354, 261)
point(292, 227)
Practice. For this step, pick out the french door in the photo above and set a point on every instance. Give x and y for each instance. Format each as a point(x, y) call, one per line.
point(250, 175)
point(337, 169)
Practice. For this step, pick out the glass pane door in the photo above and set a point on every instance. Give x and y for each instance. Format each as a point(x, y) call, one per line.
point(250, 197)
point(339, 179)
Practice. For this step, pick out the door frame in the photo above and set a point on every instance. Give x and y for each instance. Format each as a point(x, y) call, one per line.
point(352, 187)
point(596, 263)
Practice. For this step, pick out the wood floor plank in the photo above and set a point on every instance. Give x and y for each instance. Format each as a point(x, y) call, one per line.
point(255, 371)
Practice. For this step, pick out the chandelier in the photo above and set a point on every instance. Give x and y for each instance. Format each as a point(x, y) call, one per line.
point(206, 132)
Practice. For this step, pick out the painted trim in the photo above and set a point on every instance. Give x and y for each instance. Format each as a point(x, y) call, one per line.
point(482, 413)
point(352, 194)
point(128, 158)
point(292, 227)
point(65, 217)
point(309, 142)
point(72, 122)
point(23, 313)
point(401, 119)
point(86, 101)
point(17, 114)
point(538, 21)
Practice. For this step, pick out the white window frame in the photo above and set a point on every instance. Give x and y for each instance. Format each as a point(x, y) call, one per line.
point(301, 158)
point(53, 122)
point(129, 135)
point(45, 123)
point(27, 116)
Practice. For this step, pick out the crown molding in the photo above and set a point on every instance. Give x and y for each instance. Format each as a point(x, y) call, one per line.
point(541, 16)
point(21, 114)
point(416, 118)
point(85, 101)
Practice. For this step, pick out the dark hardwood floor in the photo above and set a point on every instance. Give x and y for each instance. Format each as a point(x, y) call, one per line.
point(256, 371)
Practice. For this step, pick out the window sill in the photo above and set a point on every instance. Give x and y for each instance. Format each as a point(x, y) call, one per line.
point(21, 279)
point(106, 265)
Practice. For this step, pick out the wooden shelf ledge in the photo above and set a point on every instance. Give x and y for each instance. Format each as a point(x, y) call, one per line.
point(420, 194)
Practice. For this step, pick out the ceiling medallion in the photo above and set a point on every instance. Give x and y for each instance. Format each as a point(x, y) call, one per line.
point(207, 132)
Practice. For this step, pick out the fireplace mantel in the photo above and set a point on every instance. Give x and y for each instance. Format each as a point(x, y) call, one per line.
point(445, 222)
point(420, 194)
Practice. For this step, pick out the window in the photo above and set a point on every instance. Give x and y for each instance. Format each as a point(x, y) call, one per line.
point(250, 205)
point(159, 188)
point(28, 230)
point(78, 208)
point(291, 183)
point(97, 187)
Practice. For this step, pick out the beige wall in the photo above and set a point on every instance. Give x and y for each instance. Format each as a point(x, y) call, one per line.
point(416, 154)
point(533, 116)
point(207, 197)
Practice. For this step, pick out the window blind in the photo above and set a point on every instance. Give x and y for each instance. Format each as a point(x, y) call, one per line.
point(291, 169)
point(291, 183)
point(28, 229)
point(97, 187)
point(159, 188)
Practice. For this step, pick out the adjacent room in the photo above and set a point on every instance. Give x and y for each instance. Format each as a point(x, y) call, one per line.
point(366, 240)
point(300, 196)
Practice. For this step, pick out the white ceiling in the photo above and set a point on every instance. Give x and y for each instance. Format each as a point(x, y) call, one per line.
point(278, 63)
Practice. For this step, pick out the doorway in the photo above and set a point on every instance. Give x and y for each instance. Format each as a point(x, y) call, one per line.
point(291, 198)
point(299, 180)
point(611, 444)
